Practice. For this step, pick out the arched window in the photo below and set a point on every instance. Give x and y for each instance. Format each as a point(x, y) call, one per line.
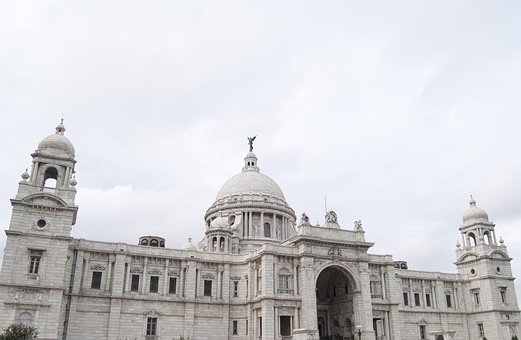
point(25, 319)
point(472, 240)
point(153, 243)
point(267, 230)
point(486, 237)
point(214, 244)
point(162, 244)
point(144, 242)
point(221, 244)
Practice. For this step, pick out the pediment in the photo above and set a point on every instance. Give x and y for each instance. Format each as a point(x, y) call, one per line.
point(44, 199)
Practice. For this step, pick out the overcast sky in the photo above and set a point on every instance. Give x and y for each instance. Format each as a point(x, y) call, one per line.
point(397, 111)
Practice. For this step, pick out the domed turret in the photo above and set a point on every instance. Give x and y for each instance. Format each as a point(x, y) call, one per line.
point(189, 245)
point(474, 213)
point(57, 144)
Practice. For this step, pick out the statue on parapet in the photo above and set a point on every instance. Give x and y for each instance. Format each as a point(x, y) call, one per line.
point(331, 217)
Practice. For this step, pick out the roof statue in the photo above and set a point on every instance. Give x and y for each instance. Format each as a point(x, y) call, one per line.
point(250, 141)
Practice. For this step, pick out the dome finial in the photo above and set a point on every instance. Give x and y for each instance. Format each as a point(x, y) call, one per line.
point(250, 141)
point(60, 129)
point(472, 201)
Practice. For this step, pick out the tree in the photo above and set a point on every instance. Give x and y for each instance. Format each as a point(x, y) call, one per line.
point(515, 337)
point(18, 332)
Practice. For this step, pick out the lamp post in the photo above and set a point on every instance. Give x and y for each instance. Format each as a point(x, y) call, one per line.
point(359, 332)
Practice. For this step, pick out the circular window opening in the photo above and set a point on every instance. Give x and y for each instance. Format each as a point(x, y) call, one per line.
point(498, 270)
point(41, 223)
point(473, 271)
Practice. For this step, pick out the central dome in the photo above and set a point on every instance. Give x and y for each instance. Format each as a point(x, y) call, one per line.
point(250, 182)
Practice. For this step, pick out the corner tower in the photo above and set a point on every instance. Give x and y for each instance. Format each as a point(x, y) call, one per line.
point(36, 260)
point(249, 210)
point(484, 265)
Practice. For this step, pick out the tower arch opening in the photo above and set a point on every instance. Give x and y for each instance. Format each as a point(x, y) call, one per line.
point(334, 294)
point(50, 178)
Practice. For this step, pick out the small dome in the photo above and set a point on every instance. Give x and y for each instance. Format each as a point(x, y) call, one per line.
point(220, 222)
point(57, 143)
point(189, 245)
point(474, 213)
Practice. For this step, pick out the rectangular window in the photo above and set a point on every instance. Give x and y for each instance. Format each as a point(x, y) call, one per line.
point(152, 326)
point(448, 298)
point(246, 326)
point(134, 284)
point(235, 288)
point(172, 287)
point(207, 287)
point(34, 264)
point(96, 280)
point(416, 299)
point(428, 299)
point(422, 332)
point(405, 299)
point(235, 327)
point(284, 281)
point(476, 297)
point(503, 294)
point(285, 325)
point(260, 326)
point(154, 284)
point(481, 329)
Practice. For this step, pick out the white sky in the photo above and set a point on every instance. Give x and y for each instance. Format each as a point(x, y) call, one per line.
point(398, 111)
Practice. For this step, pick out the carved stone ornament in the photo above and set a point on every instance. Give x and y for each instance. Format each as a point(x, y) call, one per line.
point(136, 270)
point(97, 267)
point(154, 271)
point(331, 217)
point(173, 273)
point(308, 249)
point(235, 278)
point(208, 276)
point(246, 277)
point(335, 251)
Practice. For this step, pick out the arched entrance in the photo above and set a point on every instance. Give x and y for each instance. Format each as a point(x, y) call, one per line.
point(335, 312)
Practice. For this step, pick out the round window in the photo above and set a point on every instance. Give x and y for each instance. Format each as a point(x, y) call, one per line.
point(41, 223)
point(498, 270)
point(473, 271)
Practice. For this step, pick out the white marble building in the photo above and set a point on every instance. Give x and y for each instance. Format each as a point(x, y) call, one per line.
point(259, 273)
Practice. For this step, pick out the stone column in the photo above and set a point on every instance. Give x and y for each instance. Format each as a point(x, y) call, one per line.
point(145, 276)
point(166, 283)
point(308, 319)
point(261, 227)
point(250, 223)
point(181, 285)
point(78, 272)
point(363, 305)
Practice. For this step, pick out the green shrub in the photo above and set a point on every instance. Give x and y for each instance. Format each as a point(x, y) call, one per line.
point(18, 332)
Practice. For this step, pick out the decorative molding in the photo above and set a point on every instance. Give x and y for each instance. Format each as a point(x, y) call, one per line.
point(236, 278)
point(136, 270)
point(97, 267)
point(173, 273)
point(155, 271)
point(208, 276)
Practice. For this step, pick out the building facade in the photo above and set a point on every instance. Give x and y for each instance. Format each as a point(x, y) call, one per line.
point(259, 272)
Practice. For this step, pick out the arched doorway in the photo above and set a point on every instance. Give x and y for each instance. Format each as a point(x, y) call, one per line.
point(335, 312)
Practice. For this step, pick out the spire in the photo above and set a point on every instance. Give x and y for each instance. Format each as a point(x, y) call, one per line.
point(472, 202)
point(60, 129)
